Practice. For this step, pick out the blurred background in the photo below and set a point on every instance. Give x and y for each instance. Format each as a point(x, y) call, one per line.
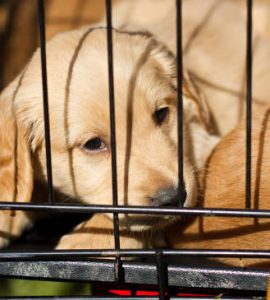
point(19, 30)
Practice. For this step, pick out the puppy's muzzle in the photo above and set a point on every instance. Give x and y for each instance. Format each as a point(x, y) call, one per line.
point(168, 198)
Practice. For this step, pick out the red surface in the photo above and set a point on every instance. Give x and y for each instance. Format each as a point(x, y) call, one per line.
point(148, 293)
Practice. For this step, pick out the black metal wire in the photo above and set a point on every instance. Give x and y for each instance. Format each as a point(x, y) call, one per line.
point(113, 133)
point(248, 104)
point(207, 212)
point(181, 192)
point(161, 271)
point(42, 31)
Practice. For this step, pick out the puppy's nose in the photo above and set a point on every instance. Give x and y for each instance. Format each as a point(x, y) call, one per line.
point(168, 197)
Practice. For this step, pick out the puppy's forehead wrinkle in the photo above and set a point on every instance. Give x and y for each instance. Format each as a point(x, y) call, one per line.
point(166, 59)
point(93, 93)
point(66, 108)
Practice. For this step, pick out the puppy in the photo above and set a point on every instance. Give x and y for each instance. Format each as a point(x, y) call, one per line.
point(225, 188)
point(146, 134)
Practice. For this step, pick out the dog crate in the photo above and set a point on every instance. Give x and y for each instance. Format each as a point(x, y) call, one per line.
point(152, 273)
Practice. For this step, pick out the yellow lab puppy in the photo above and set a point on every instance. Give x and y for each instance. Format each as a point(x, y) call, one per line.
point(146, 128)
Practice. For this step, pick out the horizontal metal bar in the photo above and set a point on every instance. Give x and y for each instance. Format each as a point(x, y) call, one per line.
point(139, 273)
point(71, 254)
point(63, 208)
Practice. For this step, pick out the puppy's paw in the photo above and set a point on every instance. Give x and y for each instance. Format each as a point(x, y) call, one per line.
point(12, 224)
point(97, 233)
point(77, 240)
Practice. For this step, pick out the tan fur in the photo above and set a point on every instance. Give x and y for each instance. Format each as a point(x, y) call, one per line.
point(97, 233)
point(225, 188)
point(16, 175)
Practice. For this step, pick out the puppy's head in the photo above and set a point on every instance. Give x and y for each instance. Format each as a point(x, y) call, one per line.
point(146, 121)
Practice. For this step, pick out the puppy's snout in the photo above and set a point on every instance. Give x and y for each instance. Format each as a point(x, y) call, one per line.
point(168, 197)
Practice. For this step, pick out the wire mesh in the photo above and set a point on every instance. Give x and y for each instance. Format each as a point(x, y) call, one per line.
point(113, 135)
point(249, 104)
point(179, 58)
point(42, 31)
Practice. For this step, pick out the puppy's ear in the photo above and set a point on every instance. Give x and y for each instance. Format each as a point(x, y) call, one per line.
point(197, 107)
point(201, 125)
point(16, 174)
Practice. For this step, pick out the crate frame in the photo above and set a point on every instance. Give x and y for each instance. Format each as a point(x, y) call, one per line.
point(34, 264)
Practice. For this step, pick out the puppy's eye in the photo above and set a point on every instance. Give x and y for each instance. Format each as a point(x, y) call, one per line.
point(161, 114)
point(95, 145)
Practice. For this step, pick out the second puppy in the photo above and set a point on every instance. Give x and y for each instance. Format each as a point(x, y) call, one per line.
point(224, 184)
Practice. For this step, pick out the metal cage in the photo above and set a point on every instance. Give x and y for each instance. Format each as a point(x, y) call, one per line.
point(84, 265)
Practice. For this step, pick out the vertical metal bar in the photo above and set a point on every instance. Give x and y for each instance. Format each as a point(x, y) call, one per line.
point(41, 18)
point(181, 190)
point(113, 135)
point(160, 275)
point(248, 103)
